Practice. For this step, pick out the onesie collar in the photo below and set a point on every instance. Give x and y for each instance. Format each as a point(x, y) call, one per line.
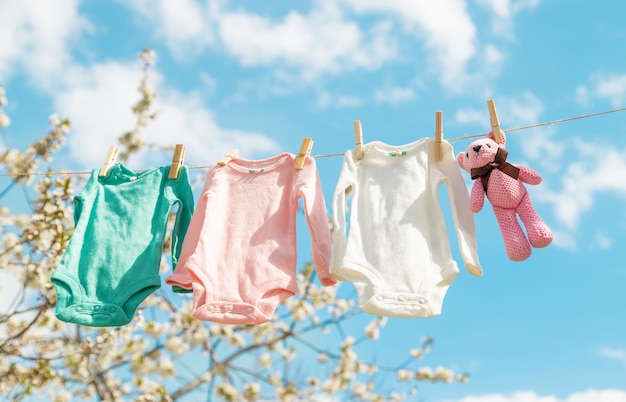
point(381, 148)
point(260, 165)
point(119, 174)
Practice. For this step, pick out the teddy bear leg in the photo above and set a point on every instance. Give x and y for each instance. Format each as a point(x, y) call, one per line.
point(539, 233)
point(515, 241)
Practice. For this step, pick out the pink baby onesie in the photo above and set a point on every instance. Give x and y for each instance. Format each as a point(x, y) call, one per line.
point(239, 253)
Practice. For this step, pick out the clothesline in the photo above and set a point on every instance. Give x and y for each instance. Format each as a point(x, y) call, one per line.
point(510, 130)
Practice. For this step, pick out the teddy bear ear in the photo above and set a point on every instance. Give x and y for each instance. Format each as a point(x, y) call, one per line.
point(459, 159)
point(491, 136)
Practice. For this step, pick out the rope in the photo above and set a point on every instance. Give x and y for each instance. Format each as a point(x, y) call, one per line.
point(466, 137)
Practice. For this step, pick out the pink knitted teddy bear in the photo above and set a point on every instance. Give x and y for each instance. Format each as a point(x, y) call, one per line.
point(502, 182)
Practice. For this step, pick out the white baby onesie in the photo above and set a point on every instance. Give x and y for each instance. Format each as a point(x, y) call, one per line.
point(397, 252)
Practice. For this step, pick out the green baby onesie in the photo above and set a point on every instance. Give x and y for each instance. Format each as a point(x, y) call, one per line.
point(112, 260)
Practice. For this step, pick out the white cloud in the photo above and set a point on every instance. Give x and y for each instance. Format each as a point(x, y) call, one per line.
point(582, 95)
point(183, 118)
point(325, 100)
point(37, 36)
point(564, 239)
point(319, 42)
point(542, 146)
point(209, 84)
point(607, 395)
point(98, 101)
point(98, 98)
point(603, 241)
point(611, 87)
point(325, 40)
point(394, 95)
point(613, 354)
point(470, 115)
point(445, 26)
point(183, 25)
point(10, 291)
point(493, 55)
point(592, 173)
point(503, 12)
point(513, 111)
point(519, 110)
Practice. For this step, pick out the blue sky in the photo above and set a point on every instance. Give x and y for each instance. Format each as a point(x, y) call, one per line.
point(260, 76)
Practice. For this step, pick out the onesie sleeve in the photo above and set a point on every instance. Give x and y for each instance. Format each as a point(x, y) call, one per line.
point(79, 199)
point(308, 185)
point(345, 183)
point(183, 196)
point(180, 280)
point(462, 215)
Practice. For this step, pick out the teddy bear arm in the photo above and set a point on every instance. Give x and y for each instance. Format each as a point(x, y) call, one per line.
point(477, 198)
point(528, 175)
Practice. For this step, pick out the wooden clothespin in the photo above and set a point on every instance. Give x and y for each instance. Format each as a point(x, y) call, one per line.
point(495, 123)
point(177, 161)
point(358, 138)
point(438, 136)
point(232, 154)
point(305, 150)
point(109, 160)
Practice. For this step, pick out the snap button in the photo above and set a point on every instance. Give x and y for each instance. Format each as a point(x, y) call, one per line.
point(79, 308)
point(401, 298)
point(421, 300)
point(380, 298)
point(228, 308)
point(96, 308)
point(112, 309)
point(249, 310)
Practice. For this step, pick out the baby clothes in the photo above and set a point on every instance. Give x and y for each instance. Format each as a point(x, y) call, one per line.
point(239, 255)
point(112, 261)
point(397, 252)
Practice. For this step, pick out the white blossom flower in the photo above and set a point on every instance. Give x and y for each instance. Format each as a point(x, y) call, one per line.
point(5, 121)
point(349, 341)
point(331, 386)
point(342, 305)
point(10, 240)
point(265, 360)
point(275, 379)
point(288, 354)
point(154, 329)
point(322, 358)
point(444, 374)
point(166, 367)
point(313, 382)
point(228, 391)
point(176, 345)
point(404, 375)
point(360, 391)
point(424, 373)
point(252, 391)
point(236, 340)
point(62, 396)
point(372, 331)
point(301, 310)
point(416, 353)
point(54, 120)
point(147, 56)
